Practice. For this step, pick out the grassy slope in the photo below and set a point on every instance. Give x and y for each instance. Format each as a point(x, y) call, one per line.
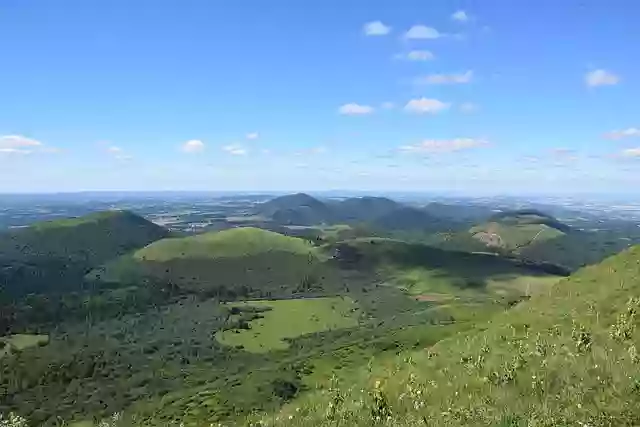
point(458, 268)
point(289, 319)
point(517, 229)
point(514, 236)
point(237, 262)
point(566, 357)
point(229, 243)
point(577, 248)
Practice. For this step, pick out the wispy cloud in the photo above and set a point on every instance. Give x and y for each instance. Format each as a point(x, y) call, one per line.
point(235, 149)
point(118, 153)
point(631, 152)
point(468, 107)
point(387, 105)
point(623, 133)
point(460, 16)
point(531, 159)
point(601, 78)
point(354, 109)
point(19, 144)
point(416, 55)
point(14, 151)
point(318, 150)
point(426, 106)
point(253, 135)
point(422, 32)
point(444, 145)
point(112, 149)
point(376, 28)
point(193, 146)
point(563, 154)
point(442, 79)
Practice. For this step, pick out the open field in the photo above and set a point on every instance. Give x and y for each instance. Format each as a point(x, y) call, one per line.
point(19, 342)
point(289, 319)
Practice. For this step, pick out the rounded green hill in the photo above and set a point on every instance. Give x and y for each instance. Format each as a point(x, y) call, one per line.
point(236, 242)
point(240, 262)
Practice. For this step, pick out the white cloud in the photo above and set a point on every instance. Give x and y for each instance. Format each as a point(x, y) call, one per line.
point(601, 78)
point(18, 141)
point(468, 107)
point(631, 152)
point(14, 151)
point(318, 150)
point(624, 133)
point(563, 154)
point(114, 150)
point(444, 145)
point(426, 106)
point(53, 150)
point(235, 149)
point(376, 28)
point(422, 32)
point(253, 135)
point(561, 151)
point(442, 79)
point(531, 159)
point(419, 55)
point(19, 144)
point(387, 105)
point(460, 16)
point(355, 109)
point(193, 146)
point(118, 153)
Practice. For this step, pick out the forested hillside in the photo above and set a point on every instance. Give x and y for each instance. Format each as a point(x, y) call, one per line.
point(52, 256)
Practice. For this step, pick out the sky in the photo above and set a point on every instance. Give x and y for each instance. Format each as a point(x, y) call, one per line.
point(478, 97)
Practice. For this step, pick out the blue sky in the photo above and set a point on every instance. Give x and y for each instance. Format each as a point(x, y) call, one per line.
point(465, 96)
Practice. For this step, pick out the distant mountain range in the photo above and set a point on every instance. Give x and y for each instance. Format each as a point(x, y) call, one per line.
point(377, 212)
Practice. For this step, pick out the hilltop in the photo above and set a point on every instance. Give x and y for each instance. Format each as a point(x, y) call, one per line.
point(460, 213)
point(529, 216)
point(513, 230)
point(241, 261)
point(378, 213)
point(365, 209)
point(530, 234)
point(507, 233)
point(296, 209)
point(566, 357)
point(410, 218)
point(54, 255)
